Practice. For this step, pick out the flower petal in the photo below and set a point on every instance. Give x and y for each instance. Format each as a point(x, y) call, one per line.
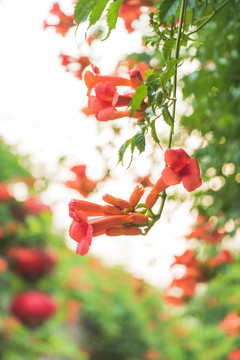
point(176, 158)
point(85, 243)
point(170, 177)
point(191, 182)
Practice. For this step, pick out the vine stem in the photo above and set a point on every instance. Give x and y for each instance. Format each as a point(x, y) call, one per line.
point(176, 56)
point(210, 17)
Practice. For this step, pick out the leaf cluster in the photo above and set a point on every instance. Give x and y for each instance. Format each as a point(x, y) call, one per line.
point(94, 9)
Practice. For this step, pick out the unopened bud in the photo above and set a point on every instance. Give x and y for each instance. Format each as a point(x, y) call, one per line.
point(136, 196)
point(120, 203)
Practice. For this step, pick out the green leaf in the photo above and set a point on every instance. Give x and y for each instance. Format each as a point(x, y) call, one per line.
point(140, 141)
point(167, 116)
point(97, 11)
point(95, 8)
point(112, 15)
point(83, 9)
point(122, 150)
point(138, 97)
point(153, 132)
point(167, 47)
point(169, 71)
point(168, 8)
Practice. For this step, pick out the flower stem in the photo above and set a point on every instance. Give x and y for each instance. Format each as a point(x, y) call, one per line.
point(210, 17)
point(176, 56)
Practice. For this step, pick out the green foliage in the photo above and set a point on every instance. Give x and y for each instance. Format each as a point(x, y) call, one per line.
point(94, 10)
point(166, 9)
point(112, 15)
point(216, 111)
point(138, 98)
point(12, 165)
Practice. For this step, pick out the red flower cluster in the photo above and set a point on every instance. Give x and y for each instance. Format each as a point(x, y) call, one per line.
point(204, 230)
point(115, 219)
point(181, 168)
point(65, 21)
point(79, 64)
point(32, 308)
point(81, 183)
point(107, 103)
point(196, 272)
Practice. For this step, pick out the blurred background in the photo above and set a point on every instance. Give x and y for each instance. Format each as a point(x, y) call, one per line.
point(173, 294)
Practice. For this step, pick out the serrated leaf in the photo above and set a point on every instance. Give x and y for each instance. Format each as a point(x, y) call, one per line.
point(122, 150)
point(167, 8)
point(167, 47)
point(153, 132)
point(97, 11)
point(169, 71)
point(138, 97)
point(140, 141)
point(112, 15)
point(82, 10)
point(167, 116)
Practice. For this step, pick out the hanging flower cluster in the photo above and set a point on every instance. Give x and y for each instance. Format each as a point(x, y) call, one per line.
point(107, 104)
point(120, 218)
point(117, 218)
point(196, 271)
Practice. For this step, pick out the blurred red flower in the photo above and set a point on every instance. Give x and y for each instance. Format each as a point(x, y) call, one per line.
point(65, 22)
point(81, 183)
point(32, 308)
point(31, 263)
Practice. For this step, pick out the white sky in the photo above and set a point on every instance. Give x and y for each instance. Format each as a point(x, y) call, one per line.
point(40, 113)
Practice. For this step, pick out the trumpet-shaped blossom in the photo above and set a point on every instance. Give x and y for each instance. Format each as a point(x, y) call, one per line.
point(113, 220)
point(82, 230)
point(107, 104)
point(180, 168)
point(65, 22)
point(91, 80)
point(81, 183)
point(92, 209)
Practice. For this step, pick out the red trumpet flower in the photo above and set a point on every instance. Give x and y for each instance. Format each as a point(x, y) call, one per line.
point(181, 168)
